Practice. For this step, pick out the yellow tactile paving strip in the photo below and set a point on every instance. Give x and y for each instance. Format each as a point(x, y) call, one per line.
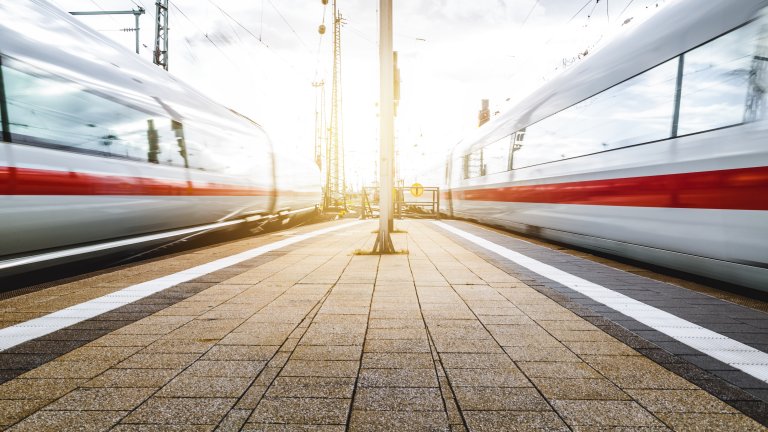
point(322, 339)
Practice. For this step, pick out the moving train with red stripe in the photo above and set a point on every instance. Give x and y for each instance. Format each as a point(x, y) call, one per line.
point(101, 149)
point(653, 148)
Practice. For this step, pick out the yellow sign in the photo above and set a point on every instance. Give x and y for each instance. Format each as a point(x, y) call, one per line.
point(417, 189)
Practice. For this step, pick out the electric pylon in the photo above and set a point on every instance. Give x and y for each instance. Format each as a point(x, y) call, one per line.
point(320, 126)
point(335, 187)
point(161, 34)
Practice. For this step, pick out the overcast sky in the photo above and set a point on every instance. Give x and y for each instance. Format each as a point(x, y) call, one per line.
point(263, 58)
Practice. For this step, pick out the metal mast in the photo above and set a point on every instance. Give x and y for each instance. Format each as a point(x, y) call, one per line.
point(136, 13)
point(335, 186)
point(383, 244)
point(161, 34)
point(320, 126)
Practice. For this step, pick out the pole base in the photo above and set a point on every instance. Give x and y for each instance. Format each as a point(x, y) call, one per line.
point(383, 244)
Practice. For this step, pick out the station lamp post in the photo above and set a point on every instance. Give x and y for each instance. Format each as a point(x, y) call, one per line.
point(383, 243)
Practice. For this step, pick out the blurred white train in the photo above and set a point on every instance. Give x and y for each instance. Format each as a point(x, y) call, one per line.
point(654, 148)
point(101, 149)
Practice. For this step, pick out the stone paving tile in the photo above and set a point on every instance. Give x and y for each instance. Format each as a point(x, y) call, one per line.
point(382, 421)
point(637, 373)
point(301, 411)
point(492, 421)
point(397, 378)
point(541, 354)
point(251, 398)
point(226, 368)
point(162, 428)
point(312, 387)
point(396, 334)
point(473, 361)
point(396, 323)
point(397, 361)
point(45, 388)
point(304, 352)
point(106, 354)
point(156, 410)
point(579, 389)
point(468, 346)
point(73, 369)
point(11, 411)
point(189, 385)
point(182, 346)
point(604, 413)
point(157, 361)
point(398, 399)
point(132, 378)
point(254, 427)
point(102, 399)
point(245, 353)
point(396, 346)
point(558, 370)
point(488, 377)
point(339, 369)
point(680, 401)
point(57, 421)
point(500, 399)
point(710, 421)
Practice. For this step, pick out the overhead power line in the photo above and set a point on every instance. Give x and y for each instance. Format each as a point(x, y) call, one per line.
point(582, 8)
point(536, 3)
point(205, 35)
point(226, 14)
point(289, 26)
point(625, 8)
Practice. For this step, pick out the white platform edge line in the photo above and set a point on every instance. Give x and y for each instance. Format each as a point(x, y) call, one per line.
point(695, 336)
point(48, 256)
point(38, 327)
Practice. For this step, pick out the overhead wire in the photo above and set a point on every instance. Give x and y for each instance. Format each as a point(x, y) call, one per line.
point(579, 11)
point(226, 14)
point(205, 35)
point(592, 11)
point(103, 10)
point(625, 8)
point(257, 38)
point(289, 26)
point(525, 21)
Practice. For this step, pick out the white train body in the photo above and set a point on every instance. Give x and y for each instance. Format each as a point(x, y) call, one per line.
point(98, 144)
point(654, 148)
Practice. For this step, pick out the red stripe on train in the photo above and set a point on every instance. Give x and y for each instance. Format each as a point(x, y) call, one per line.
point(734, 189)
point(26, 181)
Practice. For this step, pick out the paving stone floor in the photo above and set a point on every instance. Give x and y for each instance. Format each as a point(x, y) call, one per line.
point(319, 338)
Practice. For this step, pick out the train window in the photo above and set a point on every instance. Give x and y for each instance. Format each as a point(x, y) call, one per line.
point(635, 111)
point(4, 132)
point(457, 169)
point(496, 156)
point(473, 164)
point(716, 82)
point(220, 150)
point(46, 111)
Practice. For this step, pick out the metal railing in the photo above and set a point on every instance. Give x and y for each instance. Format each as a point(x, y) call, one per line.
point(427, 204)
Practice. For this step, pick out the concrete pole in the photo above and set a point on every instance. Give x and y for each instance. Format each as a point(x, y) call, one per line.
point(383, 243)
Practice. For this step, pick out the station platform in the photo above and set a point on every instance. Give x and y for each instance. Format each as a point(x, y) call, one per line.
point(471, 330)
